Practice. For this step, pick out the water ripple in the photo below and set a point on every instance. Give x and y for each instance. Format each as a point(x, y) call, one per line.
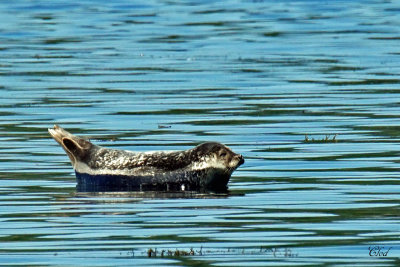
point(306, 91)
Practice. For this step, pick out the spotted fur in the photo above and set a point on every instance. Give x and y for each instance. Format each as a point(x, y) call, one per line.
point(208, 165)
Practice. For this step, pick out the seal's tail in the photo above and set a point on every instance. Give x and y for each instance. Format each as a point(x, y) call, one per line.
point(75, 146)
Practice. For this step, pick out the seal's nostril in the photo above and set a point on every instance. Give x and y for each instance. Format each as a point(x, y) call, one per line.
point(241, 160)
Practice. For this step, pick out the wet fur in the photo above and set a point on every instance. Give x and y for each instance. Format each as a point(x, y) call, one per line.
point(207, 165)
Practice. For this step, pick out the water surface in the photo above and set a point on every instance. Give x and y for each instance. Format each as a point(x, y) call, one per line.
point(307, 91)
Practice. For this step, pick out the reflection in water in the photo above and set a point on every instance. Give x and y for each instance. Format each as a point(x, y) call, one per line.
point(258, 76)
point(158, 194)
point(171, 187)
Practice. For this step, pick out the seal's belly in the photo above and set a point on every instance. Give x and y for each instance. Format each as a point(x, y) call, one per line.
point(193, 180)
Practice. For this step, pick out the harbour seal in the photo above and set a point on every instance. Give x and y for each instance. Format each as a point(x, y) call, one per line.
point(206, 166)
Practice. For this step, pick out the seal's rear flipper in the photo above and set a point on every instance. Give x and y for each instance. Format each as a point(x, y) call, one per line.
point(75, 147)
point(59, 133)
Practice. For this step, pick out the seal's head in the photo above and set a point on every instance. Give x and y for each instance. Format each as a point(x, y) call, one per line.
point(217, 156)
point(217, 163)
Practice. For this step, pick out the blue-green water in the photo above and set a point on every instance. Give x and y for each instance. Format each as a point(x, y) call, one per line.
point(262, 77)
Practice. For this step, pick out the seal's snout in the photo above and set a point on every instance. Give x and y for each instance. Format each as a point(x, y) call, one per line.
point(241, 160)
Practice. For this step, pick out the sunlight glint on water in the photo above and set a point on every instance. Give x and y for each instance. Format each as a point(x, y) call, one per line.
point(307, 91)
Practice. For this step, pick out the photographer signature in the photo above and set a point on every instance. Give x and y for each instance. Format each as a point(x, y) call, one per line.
point(379, 251)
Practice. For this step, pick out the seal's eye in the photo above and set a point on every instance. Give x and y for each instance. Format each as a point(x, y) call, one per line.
point(223, 154)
